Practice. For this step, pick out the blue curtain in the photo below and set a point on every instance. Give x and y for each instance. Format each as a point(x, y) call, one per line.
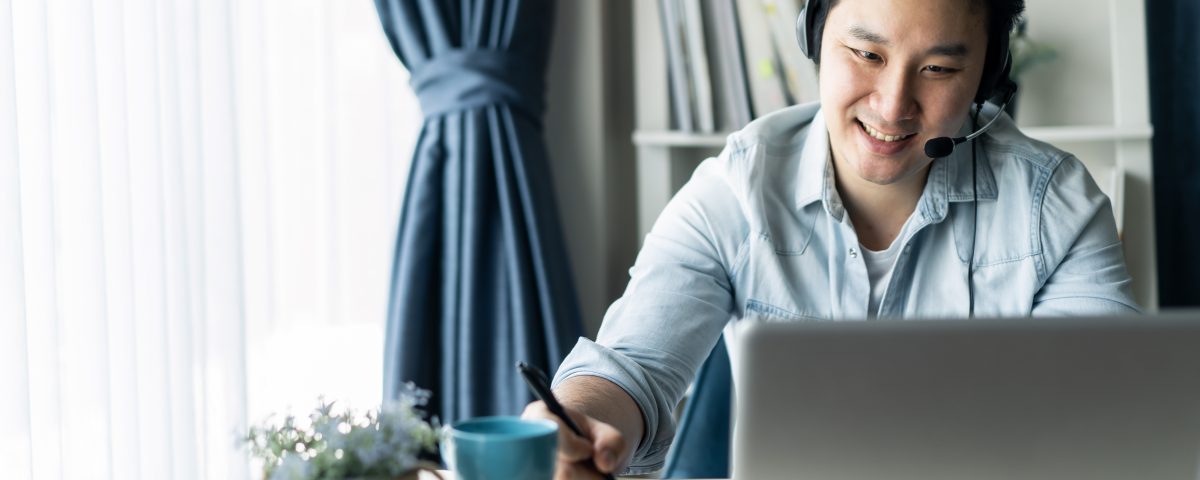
point(703, 442)
point(1173, 49)
point(481, 276)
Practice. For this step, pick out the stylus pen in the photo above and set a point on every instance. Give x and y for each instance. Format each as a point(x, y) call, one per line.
point(540, 385)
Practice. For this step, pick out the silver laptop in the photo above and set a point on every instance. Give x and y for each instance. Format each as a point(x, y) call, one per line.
point(1053, 399)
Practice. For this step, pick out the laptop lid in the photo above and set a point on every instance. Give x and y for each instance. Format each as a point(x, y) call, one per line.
point(1046, 398)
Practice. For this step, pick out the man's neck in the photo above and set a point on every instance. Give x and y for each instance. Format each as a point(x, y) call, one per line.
point(879, 212)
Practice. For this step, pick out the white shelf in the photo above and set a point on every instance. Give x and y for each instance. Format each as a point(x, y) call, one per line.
point(1089, 133)
point(1074, 133)
point(678, 139)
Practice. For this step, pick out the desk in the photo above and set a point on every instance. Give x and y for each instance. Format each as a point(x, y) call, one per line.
point(447, 475)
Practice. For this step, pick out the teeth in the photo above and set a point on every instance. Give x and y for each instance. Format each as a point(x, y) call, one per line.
point(880, 136)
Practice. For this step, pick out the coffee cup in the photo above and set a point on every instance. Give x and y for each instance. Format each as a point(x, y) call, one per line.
point(501, 448)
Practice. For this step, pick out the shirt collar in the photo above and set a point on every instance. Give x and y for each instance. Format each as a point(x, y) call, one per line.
point(949, 178)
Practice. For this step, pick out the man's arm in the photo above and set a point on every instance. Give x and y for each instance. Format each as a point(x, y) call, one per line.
point(656, 336)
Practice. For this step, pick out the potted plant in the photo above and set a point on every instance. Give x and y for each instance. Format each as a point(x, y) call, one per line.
point(333, 442)
point(1026, 53)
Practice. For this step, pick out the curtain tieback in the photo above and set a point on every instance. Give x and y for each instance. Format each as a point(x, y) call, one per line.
point(459, 80)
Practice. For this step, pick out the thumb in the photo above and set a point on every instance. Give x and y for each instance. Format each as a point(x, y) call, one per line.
point(608, 447)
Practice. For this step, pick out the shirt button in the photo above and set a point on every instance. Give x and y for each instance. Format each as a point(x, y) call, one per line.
point(853, 253)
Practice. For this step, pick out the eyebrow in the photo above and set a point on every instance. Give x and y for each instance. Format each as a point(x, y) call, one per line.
point(865, 35)
point(947, 50)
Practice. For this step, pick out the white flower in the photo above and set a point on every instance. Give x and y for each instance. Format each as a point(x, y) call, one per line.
point(338, 442)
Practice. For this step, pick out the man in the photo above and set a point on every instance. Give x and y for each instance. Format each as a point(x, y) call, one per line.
point(838, 213)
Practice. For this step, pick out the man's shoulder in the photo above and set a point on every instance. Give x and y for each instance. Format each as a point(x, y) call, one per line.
point(753, 183)
point(1027, 168)
point(767, 151)
point(783, 128)
point(1006, 142)
point(1046, 186)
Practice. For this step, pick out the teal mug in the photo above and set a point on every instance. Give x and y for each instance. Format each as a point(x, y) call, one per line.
point(501, 448)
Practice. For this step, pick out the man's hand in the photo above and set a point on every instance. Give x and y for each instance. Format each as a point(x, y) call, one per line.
point(601, 442)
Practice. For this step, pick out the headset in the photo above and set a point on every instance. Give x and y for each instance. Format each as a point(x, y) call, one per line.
point(995, 81)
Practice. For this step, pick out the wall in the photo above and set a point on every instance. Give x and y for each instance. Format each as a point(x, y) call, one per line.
point(588, 126)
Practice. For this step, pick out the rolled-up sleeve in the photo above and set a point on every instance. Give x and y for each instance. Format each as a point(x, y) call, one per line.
point(656, 336)
point(1084, 264)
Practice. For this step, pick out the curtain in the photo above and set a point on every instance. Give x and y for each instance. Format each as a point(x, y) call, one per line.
point(480, 277)
point(1172, 44)
point(122, 308)
point(196, 200)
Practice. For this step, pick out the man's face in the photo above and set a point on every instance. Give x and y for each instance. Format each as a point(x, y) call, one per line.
point(894, 74)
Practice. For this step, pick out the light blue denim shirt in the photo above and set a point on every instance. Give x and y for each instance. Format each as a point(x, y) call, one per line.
point(760, 230)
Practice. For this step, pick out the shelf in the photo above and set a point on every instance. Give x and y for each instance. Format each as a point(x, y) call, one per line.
point(1074, 133)
point(678, 139)
point(1089, 133)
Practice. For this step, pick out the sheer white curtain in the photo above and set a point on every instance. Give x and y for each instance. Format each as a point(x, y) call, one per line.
point(197, 205)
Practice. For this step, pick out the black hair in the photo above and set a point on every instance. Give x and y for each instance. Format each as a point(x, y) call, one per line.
point(1002, 15)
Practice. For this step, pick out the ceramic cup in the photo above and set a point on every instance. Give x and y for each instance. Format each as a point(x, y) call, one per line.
point(501, 448)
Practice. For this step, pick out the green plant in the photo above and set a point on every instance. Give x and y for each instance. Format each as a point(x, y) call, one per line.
point(1026, 52)
point(339, 443)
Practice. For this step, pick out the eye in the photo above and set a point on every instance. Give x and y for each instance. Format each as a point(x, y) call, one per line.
point(939, 70)
point(868, 56)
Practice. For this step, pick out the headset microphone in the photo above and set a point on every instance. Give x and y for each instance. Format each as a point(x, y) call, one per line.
point(943, 146)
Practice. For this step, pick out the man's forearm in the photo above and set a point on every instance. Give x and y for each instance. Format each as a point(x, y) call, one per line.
point(604, 401)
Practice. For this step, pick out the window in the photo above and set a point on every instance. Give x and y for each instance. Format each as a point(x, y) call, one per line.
point(198, 200)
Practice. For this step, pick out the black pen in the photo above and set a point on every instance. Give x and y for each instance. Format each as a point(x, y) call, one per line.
point(540, 385)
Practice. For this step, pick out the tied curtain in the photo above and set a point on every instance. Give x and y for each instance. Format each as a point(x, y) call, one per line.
point(1172, 44)
point(480, 276)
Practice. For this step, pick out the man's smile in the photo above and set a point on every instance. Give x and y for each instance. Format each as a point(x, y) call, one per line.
point(878, 134)
point(882, 142)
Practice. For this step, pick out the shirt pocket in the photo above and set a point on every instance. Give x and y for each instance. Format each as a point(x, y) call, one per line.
point(773, 313)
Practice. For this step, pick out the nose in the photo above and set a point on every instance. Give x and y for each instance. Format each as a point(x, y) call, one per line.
point(893, 100)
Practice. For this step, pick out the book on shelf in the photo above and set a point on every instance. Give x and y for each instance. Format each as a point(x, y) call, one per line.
point(768, 91)
point(799, 73)
point(729, 79)
point(729, 61)
point(697, 60)
point(677, 71)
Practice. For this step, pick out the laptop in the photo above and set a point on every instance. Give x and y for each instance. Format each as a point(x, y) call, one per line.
point(1046, 398)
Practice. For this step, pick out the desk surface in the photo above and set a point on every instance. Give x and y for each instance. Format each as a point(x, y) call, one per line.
point(447, 475)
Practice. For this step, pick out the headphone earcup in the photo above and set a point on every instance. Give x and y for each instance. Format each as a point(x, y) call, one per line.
point(809, 24)
point(996, 69)
point(802, 31)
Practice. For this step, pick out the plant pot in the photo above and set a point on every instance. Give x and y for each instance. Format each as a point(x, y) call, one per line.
point(412, 475)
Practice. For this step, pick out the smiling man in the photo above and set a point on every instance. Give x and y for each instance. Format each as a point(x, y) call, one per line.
point(836, 211)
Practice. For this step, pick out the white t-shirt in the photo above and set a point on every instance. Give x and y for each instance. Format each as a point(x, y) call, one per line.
point(879, 271)
point(880, 266)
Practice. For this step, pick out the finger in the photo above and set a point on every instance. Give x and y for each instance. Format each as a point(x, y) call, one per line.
point(571, 447)
point(608, 446)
